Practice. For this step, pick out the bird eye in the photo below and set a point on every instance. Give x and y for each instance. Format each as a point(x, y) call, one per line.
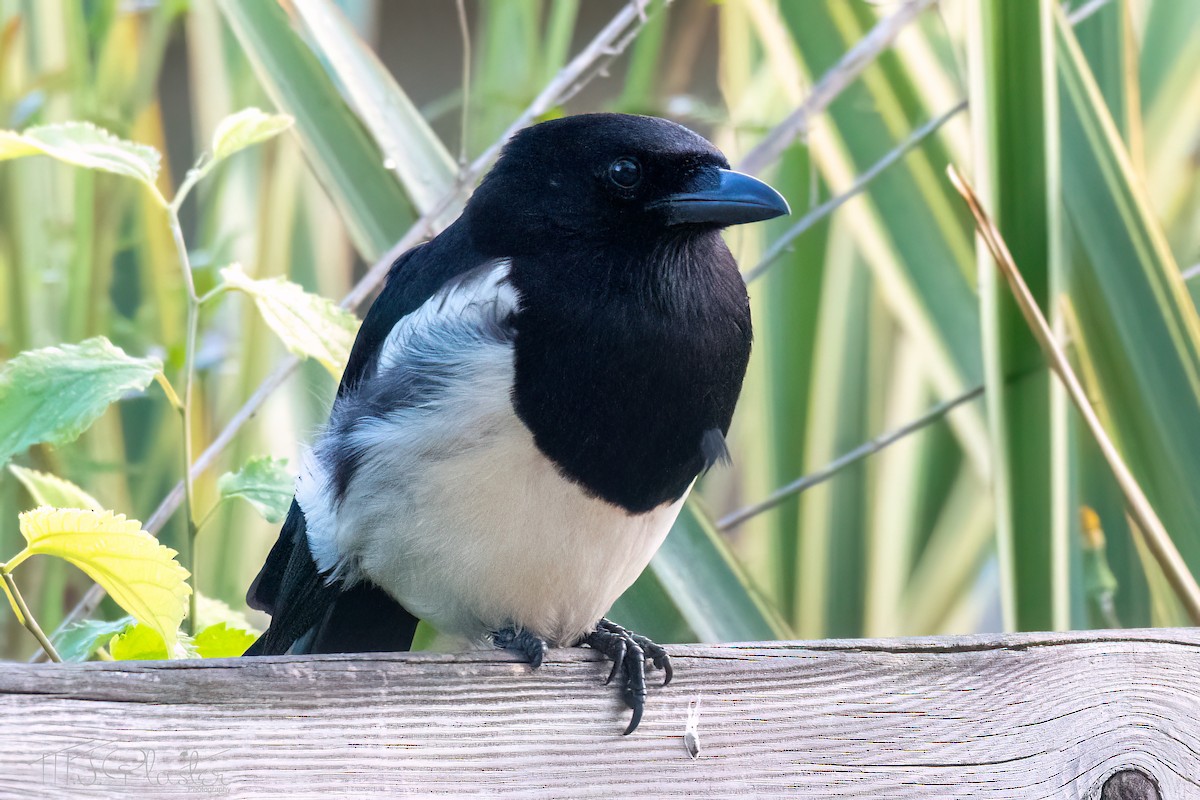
point(625, 172)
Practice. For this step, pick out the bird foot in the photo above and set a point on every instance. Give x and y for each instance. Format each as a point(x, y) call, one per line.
point(531, 648)
point(630, 651)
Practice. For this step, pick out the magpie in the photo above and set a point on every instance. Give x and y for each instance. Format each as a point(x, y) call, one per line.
point(527, 404)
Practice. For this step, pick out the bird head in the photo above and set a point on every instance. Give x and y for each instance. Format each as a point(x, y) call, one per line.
point(616, 177)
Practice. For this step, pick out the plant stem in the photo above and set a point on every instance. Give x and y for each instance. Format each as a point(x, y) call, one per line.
point(193, 176)
point(31, 624)
point(169, 391)
point(185, 410)
point(213, 293)
point(466, 85)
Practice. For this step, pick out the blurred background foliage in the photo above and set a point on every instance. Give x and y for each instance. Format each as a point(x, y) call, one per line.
point(1082, 135)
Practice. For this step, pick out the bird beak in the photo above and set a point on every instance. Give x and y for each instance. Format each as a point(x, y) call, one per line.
point(727, 198)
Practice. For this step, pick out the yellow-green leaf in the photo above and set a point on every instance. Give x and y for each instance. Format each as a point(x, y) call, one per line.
point(51, 490)
point(246, 128)
point(264, 483)
point(309, 325)
point(84, 145)
point(141, 575)
point(138, 643)
point(221, 641)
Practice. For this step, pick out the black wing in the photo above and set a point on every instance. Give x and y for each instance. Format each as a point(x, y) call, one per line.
point(327, 617)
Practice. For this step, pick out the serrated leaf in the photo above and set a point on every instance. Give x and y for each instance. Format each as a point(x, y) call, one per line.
point(246, 128)
point(309, 325)
point(141, 575)
point(138, 643)
point(222, 641)
point(51, 490)
point(84, 145)
point(52, 395)
point(80, 641)
point(263, 482)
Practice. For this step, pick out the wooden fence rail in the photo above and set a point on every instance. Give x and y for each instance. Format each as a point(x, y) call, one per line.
point(1110, 714)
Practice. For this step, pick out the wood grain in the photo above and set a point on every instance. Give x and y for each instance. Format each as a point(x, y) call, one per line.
point(1025, 716)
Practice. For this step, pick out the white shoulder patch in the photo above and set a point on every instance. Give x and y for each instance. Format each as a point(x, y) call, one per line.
point(473, 305)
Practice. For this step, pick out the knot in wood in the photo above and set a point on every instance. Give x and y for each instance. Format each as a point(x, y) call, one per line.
point(1130, 784)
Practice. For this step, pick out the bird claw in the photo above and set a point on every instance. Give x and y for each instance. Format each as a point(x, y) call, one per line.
point(630, 651)
point(531, 648)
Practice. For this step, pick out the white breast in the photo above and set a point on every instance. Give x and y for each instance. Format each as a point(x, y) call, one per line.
point(455, 512)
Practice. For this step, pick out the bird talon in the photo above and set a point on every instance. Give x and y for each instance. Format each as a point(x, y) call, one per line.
point(634, 721)
point(630, 651)
point(523, 643)
point(615, 668)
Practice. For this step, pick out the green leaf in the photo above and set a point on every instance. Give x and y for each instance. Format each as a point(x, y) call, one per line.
point(714, 597)
point(139, 643)
point(1014, 107)
point(647, 608)
point(80, 641)
point(211, 611)
point(370, 200)
point(309, 325)
point(410, 146)
point(264, 483)
point(52, 395)
point(222, 641)
point(141, 575)
point(51, 490)
point(246, 128)
point(84, 145)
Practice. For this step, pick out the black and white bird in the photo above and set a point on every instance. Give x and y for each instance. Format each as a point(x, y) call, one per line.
point(527, 405)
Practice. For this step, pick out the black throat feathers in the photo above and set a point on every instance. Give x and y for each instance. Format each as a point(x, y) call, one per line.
point(629, 358)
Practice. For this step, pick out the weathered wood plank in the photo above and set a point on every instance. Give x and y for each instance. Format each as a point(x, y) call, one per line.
point(1028, 716)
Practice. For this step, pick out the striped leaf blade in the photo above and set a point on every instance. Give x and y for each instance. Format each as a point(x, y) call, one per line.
point(372, 202)
point(1130, 302)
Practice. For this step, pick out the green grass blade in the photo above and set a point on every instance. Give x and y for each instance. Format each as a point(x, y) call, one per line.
point(372, 203)
point(830, 595)
point(1131, 302)
point(913, 233)
point(704, 581)
point(1014, 114)
point(410, 146)
point(1170, 93)
point(786, 322)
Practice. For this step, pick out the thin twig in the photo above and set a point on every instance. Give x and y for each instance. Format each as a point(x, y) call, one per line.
point(1157, 538)
point(27, 619)
point(465, 30)
point(784, 242)
point(832, 83)
point(609, 43)
point(1191, 272)
point(840, 463)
